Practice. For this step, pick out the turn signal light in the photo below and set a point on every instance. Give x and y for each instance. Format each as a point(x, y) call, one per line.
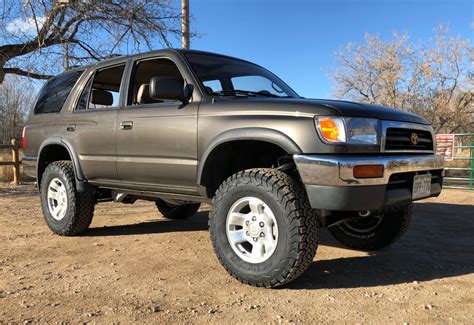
point(368, 171)
point(331, 129)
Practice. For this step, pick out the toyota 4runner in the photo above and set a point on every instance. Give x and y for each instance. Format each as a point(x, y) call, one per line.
point(182, 127)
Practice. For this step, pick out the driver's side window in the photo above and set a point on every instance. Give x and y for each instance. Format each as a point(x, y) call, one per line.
point(144, 71)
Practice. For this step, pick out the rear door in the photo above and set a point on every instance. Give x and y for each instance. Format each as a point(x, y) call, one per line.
point(92, 125)
point(156, 139)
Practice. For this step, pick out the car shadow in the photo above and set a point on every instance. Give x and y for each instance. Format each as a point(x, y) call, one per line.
point(197, 223)
point(439, 244)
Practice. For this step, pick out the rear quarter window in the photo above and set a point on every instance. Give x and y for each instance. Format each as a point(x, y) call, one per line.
point(55, 92)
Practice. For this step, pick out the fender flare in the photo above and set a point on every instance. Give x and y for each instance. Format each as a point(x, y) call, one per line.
point(74, 157)
point(252, 133)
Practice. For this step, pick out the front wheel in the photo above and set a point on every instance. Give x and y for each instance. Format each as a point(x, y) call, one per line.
point(373, 232)
point(262, 227)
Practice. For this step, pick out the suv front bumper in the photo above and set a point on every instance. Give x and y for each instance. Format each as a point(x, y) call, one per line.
point(330, 183)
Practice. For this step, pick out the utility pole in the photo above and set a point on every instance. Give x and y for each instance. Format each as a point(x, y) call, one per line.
point(185, 23)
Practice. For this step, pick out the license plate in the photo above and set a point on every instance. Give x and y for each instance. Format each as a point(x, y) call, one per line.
point(421, 186)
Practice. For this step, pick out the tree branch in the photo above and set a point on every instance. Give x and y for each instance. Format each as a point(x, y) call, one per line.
point(24, 73)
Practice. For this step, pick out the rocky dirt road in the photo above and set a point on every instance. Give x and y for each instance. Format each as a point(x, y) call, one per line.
point(133, 265)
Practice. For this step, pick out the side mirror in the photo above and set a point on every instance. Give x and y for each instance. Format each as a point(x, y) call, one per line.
point(101, 97)
point(167, 88)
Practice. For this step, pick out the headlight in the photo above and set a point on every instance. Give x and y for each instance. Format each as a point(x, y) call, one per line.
point(351, 130)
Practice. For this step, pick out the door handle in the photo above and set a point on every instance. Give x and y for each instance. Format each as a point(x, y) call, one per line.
point(126, 125)
point(71, 127)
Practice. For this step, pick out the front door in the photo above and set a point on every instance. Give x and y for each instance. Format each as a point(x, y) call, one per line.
point(156, 139)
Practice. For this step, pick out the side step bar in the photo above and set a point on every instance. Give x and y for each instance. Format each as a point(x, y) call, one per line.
point(125, 196)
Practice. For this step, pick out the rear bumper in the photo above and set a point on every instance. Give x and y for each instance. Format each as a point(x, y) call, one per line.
point(29, 165)
point(330, 183)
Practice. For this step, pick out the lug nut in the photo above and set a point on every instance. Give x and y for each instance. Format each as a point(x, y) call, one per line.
point(262, 234)
point(247, 223)
point(254, 218)
point(262, 224)
point(255, 238)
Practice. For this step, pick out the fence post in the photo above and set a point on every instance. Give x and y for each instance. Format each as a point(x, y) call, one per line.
point(471, 172)
point(16, 163)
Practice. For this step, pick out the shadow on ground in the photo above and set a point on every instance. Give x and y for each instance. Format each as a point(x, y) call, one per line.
point(196, 223)
point(439, 244)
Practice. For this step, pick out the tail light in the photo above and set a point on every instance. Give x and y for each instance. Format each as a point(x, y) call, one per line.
point(23, 138)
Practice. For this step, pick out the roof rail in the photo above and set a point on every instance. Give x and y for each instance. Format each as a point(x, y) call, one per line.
point(113, 55)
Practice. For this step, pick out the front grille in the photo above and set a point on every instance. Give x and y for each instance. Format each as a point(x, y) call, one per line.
point(400, 139)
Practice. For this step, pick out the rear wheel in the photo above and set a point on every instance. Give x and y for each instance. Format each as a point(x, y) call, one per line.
point(373, 232)
point(66, 211)
point(174, 211)
point(262, 227)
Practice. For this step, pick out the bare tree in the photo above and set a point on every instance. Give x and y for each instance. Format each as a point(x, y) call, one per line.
point(429, 78)
point(16, 97)
point(40, 37)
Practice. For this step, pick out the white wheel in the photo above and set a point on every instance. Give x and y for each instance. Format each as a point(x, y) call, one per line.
point(252, 230)
point(57, 199)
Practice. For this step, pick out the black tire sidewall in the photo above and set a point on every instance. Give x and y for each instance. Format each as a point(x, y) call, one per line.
point(51, 172)
point(393, 225)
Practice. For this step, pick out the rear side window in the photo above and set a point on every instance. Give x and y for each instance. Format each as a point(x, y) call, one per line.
point(55, 92)
point(102, 89)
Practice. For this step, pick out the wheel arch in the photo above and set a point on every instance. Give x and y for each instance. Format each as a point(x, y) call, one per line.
point(54, 149)
point(269, 138)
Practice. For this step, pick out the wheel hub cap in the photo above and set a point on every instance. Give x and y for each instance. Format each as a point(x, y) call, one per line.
point(252, 230)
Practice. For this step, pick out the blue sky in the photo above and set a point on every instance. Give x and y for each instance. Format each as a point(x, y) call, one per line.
point(297, 39)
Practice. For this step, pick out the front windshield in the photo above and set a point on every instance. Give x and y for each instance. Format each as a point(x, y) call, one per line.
point(223, 76)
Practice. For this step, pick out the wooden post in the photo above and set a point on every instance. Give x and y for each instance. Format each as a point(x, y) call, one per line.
point(185, 23)
point(16, 161)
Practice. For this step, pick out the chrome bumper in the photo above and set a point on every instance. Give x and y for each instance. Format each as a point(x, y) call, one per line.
point(338, 170)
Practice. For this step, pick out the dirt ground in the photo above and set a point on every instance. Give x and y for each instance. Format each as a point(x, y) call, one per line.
point(135, 266)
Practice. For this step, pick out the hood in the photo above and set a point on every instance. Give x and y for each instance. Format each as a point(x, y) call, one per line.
point(323, 107)
point(354, 109)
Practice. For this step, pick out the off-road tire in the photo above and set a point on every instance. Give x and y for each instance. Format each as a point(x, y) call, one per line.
point(80, 209)
point(297, 227)
point(182, 211)
point(394, 224)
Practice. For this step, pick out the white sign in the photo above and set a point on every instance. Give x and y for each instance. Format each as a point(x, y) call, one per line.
point(445, 146)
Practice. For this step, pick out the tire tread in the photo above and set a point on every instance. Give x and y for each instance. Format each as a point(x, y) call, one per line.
point(80, 203)
point(303, 234)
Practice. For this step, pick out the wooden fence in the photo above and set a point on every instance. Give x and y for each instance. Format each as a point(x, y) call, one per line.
point(15, 162)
